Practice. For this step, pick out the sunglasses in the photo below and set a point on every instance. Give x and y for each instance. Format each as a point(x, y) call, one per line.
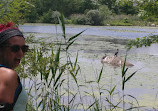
point(16, 48)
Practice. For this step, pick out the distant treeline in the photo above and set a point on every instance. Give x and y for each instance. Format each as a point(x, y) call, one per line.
point(90, 12)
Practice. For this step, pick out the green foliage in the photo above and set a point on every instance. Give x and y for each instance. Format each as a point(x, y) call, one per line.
point(124, 74)
point(79, 19)
point(49, 77)
point(88, 5)
point(20, 11)
point(120, 23)
point(45, 70)
point(55, 15)
point(50, 17)
point(124, 80)
point(148, 8)
point(127, 7)
point(125, 20)
point(100, 75)
point(48, 74)
point(68, 7)
point(110, 3)
point(14, 10)
point(46, 17)
point(72, 7)
point(144, 41)
point(32, 16)
point(104, 11)
point(94, 17)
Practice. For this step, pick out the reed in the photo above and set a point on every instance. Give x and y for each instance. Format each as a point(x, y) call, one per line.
point(49, 72)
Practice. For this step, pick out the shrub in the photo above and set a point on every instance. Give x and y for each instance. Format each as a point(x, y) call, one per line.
point(46, 18)
point(54, 17)
point(104, 11)
point(94, 17)
point(50, 17)
point(32, 17)
point(128, 7)
point(79, 19)
point(126, 20)
point(120, 23)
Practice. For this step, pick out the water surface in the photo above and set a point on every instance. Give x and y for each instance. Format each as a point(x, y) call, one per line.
point(95, 42)
point(119, 31)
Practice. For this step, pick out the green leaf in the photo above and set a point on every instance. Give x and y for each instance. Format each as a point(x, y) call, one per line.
point(62, 23)
point(69, 44)
point(100, 75)
point(73, 76)
point(123, 68)
point(130, 76)
point(124, 72)
point(60, 74)
point(57, 55)
point(123, 83)
point(113, 89)
point(77, 71)
point(73, 37)
point(53, 75)
point(91, 105)
point(75, 61)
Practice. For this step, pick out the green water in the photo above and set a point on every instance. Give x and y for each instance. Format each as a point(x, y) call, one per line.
point(91, 48)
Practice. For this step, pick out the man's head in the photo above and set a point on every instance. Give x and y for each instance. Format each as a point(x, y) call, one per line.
point(12, 45)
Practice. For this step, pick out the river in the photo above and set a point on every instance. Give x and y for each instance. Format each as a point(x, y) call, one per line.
point(98, 40)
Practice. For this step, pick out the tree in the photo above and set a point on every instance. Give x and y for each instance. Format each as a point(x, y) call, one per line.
point(128, 7)
point(14, 10)
point(94, 17)
point(145, 41)
point(110, 3)
point(72, 7)
point(148, 8)
point(104, 11)
point(87, 5)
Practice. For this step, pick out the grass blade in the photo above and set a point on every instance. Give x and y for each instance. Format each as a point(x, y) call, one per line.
point(130, 76)
point(73, 76)
point(70, 44)
point(91, 105)
point(123, 68)
point(58, 77)
point(58, 55)
point(113, 89)
point(62, 23)
point(100, 75)
point(75, 64)
point(73, 37)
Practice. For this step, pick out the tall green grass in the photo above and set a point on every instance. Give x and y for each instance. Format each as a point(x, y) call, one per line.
point(48, 74)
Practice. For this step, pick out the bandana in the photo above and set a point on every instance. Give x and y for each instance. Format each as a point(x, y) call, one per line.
point(8, 31)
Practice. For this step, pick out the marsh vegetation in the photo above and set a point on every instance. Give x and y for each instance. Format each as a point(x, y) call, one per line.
point(64, 72)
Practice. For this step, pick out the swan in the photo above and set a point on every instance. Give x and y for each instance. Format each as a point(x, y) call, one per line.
point(115, 60)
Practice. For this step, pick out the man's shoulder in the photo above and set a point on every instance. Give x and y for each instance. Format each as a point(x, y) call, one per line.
point(9, 73)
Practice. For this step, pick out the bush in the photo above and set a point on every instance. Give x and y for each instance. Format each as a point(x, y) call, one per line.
point(46, 18)
point(32, 17)
point(104, 11)
point(54, 17)
point(79, 19)
point(126, 20)
point(120, 23)
point(128, 8)
point(50, 17)
point(94, 17)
